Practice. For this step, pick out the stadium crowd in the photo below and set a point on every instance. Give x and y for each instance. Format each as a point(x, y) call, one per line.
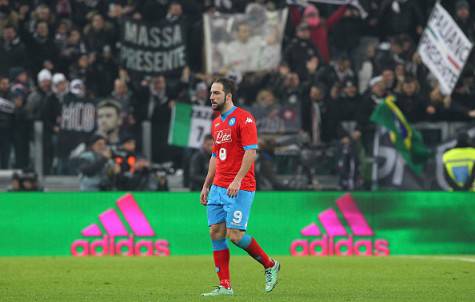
point(59, 64)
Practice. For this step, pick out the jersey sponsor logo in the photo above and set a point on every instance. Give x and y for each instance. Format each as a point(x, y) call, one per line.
point(223, 136)
point(357, 238)
point(140, 241)
point(248, 120)
point(232, 121)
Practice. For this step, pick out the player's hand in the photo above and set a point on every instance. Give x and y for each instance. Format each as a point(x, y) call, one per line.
point(234, 187)
point(204, 196)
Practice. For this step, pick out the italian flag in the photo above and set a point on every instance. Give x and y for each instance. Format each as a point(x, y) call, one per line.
point(189, 124)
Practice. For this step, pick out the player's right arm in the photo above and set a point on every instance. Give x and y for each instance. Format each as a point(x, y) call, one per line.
point(208, 180)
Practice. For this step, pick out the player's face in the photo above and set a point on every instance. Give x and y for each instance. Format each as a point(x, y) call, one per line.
point(218, 97)
point(107, 119)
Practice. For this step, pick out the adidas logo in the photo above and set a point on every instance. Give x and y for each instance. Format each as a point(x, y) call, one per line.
point(114, 227)
point(336, 239)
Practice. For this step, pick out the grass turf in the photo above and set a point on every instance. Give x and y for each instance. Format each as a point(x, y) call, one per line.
point(184, 278)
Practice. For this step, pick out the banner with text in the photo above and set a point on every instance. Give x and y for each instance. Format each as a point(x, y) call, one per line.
point(152, 48)
point(244, 42)
point(303, 224)
point(189, 125)
point(444, 48)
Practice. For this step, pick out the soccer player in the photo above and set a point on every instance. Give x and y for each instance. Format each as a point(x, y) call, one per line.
point(231, 173)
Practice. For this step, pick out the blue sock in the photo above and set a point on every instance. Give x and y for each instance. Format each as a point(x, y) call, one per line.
point(219, 245)
point(245, 241)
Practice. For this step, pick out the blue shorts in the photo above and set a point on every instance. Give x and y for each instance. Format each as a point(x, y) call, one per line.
point(232, 210)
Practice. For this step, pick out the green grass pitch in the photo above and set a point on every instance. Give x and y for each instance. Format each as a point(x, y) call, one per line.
point(178, 278)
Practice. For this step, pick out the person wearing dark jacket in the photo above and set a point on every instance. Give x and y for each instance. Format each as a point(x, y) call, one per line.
point(199, 164)
point(12, 50)
point(300, 50)
point(7, 109)
point(96, 166)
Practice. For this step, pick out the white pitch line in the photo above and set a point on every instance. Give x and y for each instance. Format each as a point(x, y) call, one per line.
point(463, 259)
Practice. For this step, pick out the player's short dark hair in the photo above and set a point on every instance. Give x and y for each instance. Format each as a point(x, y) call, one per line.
point(110, 104)
point(228, 85)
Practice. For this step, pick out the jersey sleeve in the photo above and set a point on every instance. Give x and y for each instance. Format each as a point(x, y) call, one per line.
point(248, 131)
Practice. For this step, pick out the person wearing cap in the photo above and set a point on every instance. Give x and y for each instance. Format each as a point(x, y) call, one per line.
point(375, 96)
point(43, 106)
point(77, 123)
point(60, 86)
point(96, 167)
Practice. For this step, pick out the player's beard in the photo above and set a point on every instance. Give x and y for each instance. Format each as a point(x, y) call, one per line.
point(218, 107)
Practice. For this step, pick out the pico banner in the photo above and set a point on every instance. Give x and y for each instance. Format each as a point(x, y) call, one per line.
point(189, 125)
point(244, 42)
point(152, 48)
point(301, 224)
point(444, 48)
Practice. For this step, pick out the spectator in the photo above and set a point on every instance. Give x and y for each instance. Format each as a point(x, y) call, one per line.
point(12, 50)
point(60, 86)
point(77, 123)
point(7, 109)
point(26, 181)
point(73, 48)
point(42, 50)
point(348, 164)
point(135, 171)
point(464, 19)
point(266, 110)
point(459, 165)
point(22, 128)
point(317, 118)
point(371, 99)
point(156, 107)
point(266, 176)
point(123, 96)
point(319, 27)
point(300, 51)
point(98, 34)
point(96, 167)
point(400, 17)
point(347, 33)
point(410, 102)
point(199, 164)
point(9, 17)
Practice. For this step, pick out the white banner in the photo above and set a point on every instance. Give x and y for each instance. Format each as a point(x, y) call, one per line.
point(244, 42)
point(444, 48)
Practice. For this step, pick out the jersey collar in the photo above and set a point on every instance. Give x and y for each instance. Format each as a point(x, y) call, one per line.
point(227, 113)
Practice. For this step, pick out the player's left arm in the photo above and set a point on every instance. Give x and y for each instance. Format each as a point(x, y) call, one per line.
point(248, 133)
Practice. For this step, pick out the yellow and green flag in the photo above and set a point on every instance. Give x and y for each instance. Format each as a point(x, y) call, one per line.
point(408, 141)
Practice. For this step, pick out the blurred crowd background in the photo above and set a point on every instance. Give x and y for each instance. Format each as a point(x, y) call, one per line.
point(318, 79)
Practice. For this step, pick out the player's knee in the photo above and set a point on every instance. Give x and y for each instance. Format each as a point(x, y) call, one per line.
point(234, 235)
point(216, 232)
